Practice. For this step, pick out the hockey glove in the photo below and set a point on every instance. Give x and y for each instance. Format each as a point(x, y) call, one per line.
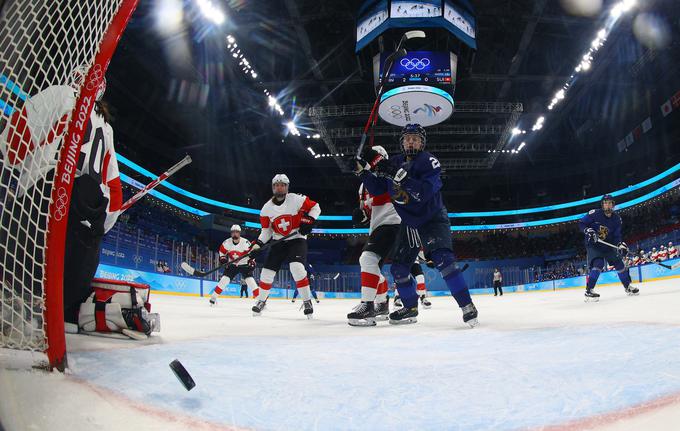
point(306, 224)
point(224, 259)
point(252, 263)
point(591, 235)
point(430, 264)
point(359, 217)
point(368, 160)
point(388, 170)
point(623, 249)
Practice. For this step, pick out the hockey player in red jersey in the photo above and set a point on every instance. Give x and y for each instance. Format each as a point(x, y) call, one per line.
point(384, 223)
point(292, 216)
point(231, 249)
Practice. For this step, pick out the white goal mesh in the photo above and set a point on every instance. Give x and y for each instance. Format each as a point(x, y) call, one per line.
point(48, 52)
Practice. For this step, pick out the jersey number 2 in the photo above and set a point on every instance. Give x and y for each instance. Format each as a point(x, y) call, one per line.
point(435, 163)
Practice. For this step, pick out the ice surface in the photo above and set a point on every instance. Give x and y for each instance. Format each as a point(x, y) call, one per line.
point(537, 360)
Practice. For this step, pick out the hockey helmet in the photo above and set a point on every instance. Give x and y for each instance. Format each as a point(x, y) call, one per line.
point(381, 150)
point(280, 178)
point(413, 129)
point(235, 228)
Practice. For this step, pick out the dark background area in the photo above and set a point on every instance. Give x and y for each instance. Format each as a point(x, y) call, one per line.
point(182, 93)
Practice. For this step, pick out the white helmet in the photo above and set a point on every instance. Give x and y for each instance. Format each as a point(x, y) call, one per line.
point(235, 228)
point(670, 244)
point(280, 178)
point(380, 150)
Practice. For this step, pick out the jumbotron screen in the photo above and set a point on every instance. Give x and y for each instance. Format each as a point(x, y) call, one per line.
point(421, 67)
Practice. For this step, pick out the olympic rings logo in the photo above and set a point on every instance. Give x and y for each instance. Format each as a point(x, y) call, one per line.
point(415, 63)
point(395, 111)
point(96, 76)
point(61, 204)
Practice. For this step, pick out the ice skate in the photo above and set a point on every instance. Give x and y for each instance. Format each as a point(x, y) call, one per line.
point(470, 315)
point(632, 290)
point(425, 302)
point(213, 299)
point(404, 316)
point(382, 311)
point(397, 301)
point(308, 308)
point(258, 307)
point(362, 315)
point(591, 296)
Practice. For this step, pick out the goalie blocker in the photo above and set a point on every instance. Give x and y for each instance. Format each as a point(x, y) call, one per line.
point(118, 307)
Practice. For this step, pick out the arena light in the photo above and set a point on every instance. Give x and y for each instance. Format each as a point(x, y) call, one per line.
point(292, 128)
point(210, 11)
point(316, 136)
point(516, 131)
point(539, 123)
point(522, 145)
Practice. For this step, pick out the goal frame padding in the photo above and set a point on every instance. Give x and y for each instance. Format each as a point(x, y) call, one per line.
point(63, 182)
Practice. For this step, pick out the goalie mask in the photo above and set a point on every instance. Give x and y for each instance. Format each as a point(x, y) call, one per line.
point(78, 77)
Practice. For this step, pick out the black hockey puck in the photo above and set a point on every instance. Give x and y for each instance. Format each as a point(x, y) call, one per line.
point(182, 375)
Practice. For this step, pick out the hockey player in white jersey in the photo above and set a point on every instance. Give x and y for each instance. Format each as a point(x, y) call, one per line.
point(231, 249)
point(672, 251)
point(383, 230)
point(292, 216)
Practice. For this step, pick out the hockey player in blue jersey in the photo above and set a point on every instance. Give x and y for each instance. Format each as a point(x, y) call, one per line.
point(413, 181)
point(599, 225)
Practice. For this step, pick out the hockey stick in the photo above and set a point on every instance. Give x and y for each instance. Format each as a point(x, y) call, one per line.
point(644, 259)
point(152, 185)
point(198, 273)
point(389, 62)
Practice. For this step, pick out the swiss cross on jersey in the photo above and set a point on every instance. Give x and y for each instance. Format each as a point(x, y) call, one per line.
point(283, 224)
point(235, 251)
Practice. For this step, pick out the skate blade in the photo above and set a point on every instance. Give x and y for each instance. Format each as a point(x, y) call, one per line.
point(382, 318)
point(427, 307)
point(361, 322)
point(587, 299)
point(256, 314)
point(406, 321)
point(473, 322)
point(633, 293)
point(309, 316)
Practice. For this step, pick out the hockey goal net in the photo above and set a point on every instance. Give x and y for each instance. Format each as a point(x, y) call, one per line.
point(53, 56)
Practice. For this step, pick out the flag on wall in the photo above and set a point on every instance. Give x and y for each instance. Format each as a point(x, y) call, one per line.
point(666, 108)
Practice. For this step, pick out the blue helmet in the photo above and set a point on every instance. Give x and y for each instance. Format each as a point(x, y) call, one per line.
point(413, 129)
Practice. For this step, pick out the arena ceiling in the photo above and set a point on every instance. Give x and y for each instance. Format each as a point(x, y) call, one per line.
point(176, 90)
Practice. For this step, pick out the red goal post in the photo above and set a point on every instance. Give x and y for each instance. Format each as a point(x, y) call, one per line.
point(43, 45)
